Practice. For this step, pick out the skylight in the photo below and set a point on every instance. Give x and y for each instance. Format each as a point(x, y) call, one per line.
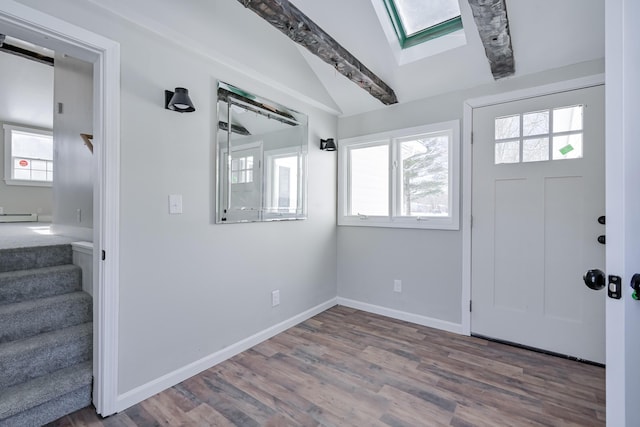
point(417, 21)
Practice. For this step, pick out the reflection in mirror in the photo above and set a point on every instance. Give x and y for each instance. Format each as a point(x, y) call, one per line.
point(261, 152)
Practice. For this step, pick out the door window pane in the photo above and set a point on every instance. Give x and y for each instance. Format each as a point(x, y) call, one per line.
point(536, 123)
point(507, 152)
point(534, 137)
point(242, 170)
point(567, 119)
point(507, 127)
point(535, 149)
point(369, 178)
point(567, 146)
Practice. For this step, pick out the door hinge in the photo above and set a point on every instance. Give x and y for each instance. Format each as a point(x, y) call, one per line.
point(470, 306)
point(104, 255)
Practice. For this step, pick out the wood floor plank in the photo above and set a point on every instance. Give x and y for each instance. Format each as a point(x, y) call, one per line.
point(345, 367)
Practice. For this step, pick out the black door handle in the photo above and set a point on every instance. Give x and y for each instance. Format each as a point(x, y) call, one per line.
point(602, 239)
point(594, 279)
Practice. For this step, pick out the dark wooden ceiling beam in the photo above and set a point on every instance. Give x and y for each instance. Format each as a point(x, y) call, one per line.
point(493, 26)
point(23, 53)
point(299, 28)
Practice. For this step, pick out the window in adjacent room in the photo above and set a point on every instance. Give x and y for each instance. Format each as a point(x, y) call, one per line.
point(417, 21)
point(28, 156)
point(406, 178)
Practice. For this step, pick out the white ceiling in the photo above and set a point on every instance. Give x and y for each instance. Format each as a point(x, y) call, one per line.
point(546, 34)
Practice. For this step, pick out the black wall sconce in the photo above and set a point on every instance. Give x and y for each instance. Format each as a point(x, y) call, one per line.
point(328, 144)
point(178, 101)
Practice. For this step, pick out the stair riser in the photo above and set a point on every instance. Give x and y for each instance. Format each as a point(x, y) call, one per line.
point(51, 410)
point(17, 286)
point(25, 323)
point(34, 257)
point(45, 359)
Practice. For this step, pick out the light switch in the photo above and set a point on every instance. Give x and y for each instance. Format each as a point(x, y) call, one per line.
point(175, 204)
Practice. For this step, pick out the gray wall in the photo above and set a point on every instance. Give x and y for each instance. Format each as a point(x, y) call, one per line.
point(26, 99)
point(427, 261)
point(73, 168)
point(189, 287)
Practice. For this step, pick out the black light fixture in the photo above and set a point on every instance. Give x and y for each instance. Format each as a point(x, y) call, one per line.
point(328, 144)
point(178, 101)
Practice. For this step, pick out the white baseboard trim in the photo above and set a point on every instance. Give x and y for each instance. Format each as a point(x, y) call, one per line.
point(147, 390)
point(402, 315)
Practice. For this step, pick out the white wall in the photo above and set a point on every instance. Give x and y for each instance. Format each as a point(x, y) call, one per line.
point(73, 168)
point(26, 98)
point(189, 287)
point(427, 261)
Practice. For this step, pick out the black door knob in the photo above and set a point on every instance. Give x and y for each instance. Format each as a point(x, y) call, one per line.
point(602, 220)
point(635, 283)
point(594, 279)
point(602, 239)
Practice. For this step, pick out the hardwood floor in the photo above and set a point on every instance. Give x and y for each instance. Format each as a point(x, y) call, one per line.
point(345, 367)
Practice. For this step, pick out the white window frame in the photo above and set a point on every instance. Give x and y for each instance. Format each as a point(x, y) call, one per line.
point(8, 133)
point(270, 156)
point(394, 220)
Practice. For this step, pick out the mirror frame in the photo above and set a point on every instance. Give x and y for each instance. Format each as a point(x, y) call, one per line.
point(271, 110)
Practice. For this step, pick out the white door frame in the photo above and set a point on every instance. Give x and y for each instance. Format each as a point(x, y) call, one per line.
point(32, 25)
point(622, 62)
point(467, 135)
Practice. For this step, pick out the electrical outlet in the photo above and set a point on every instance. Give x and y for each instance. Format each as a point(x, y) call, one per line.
point(275, 298)
point(175, 204)
point(397, 285)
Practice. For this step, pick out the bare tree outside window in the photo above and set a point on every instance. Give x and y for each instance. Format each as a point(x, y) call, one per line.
point(425, 176)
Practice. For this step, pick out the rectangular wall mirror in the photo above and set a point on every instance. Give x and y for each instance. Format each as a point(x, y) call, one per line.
point(262, 154)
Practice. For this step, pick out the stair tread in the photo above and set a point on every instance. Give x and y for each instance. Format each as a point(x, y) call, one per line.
point(22, 285)
point(34, 257)
point(38, 270)
point(25, 359)
point(32, 304)
point(30, 394)
point(8, 349)
point(28, 318)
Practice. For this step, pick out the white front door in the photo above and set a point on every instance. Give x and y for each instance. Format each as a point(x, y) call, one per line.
point(245, 184)
point(538, 190)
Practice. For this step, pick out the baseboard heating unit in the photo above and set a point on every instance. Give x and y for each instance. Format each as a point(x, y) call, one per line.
point(18, 217)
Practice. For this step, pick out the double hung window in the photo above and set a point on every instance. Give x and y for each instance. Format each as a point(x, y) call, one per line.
point(28, 156)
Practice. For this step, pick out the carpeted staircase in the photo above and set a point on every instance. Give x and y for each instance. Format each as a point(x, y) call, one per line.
point(45, 336)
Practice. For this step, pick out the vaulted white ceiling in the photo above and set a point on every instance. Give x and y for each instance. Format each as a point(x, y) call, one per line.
point(545, 34)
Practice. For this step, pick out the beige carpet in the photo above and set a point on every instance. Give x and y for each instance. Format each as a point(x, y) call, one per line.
point(18, 235)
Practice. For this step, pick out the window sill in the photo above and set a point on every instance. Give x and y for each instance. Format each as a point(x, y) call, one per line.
point(421, 223)
point(28, 183)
